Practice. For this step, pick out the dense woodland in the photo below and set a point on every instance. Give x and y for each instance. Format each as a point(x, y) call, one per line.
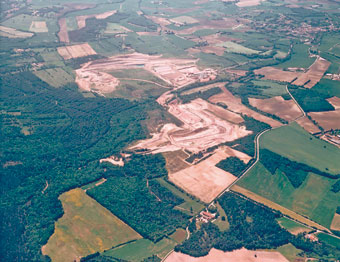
point(66, 134)
point(252, 226)
point(295, 172)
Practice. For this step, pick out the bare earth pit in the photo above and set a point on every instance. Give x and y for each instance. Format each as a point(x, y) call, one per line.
point(202, 129)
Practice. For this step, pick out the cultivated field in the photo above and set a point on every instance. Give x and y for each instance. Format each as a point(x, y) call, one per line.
point(176, 72)
point(276, 74)
point(240, 255)
point(328, 120)
point(202, 129)
point(39, 27)
point(85, 228)
point(335, 101)
point(13, 33)
point(285, 109)
point(234, 104)
point(336, 222)
point(63, 33)
point(75, 51)
point(81, 20)
point(313, 74)
point(113, 28)
point(56, 77)
point(237, 48)
point(175, 161)
point(296, 144)
point(308, 125)
point(182, 20)
point(204, 180)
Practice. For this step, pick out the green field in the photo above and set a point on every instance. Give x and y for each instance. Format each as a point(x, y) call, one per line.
point(295, 143)
point(237, 48)
point(292, 226)
point(333, 241)
point(56, 77)
point(141, 249)
point(188, 205)
point(270, 88)
point(312, 199)
point(85, 228)
point(299, 57)
point(290, 252)
point(328, 87)
point(222, 225)
point(113, 28)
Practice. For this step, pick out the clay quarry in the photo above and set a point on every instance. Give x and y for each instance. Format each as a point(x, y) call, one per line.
point(175, 72)
point(202, 129)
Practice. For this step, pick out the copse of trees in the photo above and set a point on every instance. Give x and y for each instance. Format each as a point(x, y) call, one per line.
point(233, 165)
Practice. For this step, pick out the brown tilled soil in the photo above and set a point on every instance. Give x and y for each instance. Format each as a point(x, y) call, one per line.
point(328, 120)
point(335, 101)
point(75, 51)
point(276, 74)
point(285, 109)
point(308, 125)
point(63, 34)
point(234, 104)
point(314, 73)
point(240, 255)
point(336, 222)
point(175, 161)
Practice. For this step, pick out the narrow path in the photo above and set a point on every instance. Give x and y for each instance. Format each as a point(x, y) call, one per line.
point(302, 111)
point(188, 232)
point(42, 192)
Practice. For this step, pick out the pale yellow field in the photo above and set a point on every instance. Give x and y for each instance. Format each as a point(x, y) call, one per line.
point(85, 228)
point(13, 33)
point(75, 51)
point(240, 255)
point(204, 180)
point(336, 222)
point(39, 27)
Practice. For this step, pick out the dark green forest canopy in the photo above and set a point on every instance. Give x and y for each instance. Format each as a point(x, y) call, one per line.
point(69, 134)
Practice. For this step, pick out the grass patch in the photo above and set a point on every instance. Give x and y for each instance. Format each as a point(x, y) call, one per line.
point(292, 226)
point(270, 88)
point(290, 252)
point(237, 48)
point(295, 143)
point(85, 228)
point(223, 225)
